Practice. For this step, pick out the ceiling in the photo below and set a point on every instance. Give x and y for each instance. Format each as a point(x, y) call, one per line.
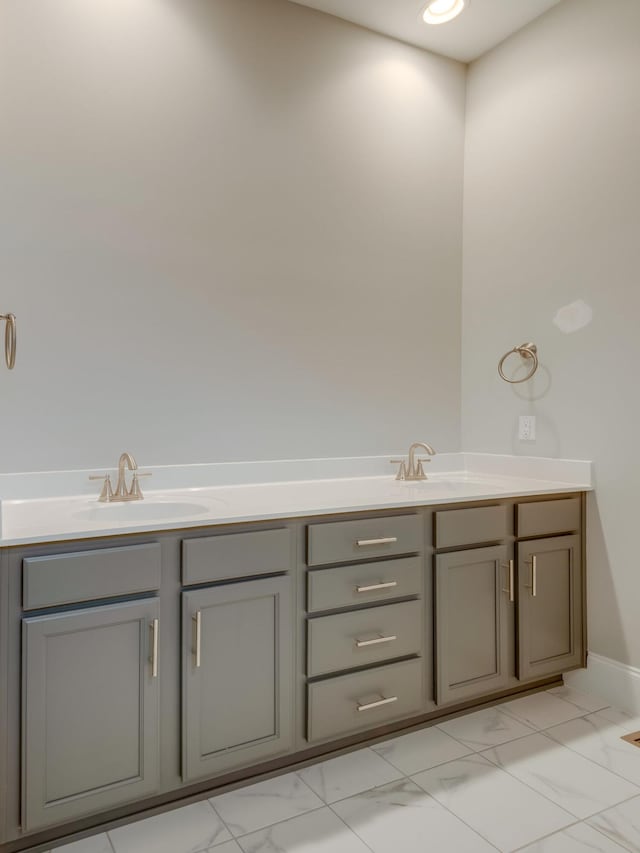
point(483, 25)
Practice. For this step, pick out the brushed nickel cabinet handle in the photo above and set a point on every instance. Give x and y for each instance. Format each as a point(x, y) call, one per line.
point(371, 705)
point(533, 586)
point(367, 543)
point(511, 590)
point(374, 586)
point(10, 339)
point(361, 644)
point(155, 633)
point(197, 652)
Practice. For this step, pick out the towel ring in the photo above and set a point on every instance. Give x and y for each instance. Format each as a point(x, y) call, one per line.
point(527, 352)
point(10, 339)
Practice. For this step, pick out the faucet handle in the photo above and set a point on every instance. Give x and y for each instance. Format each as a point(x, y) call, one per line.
point(135, 491)
point(402, 471)
point(420, 475)
point(107, 489)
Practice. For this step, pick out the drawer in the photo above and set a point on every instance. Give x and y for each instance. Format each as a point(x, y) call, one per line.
point(347, 541)
point(88, 575)
point(540, 518)
point(456, 527)
point(366, 700)
point(329, 589)
point(235, 555)
point(362, 637)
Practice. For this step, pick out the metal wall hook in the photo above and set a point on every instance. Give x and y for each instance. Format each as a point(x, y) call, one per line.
point(527, 352)
point(10, 339)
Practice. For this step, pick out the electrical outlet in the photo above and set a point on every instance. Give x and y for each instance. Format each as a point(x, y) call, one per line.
point(527, 428)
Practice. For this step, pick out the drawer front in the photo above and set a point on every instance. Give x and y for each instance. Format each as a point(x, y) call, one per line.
point(541, 518)
point(456, 527)
point(329, 589)
point(347, 541)
point(235, 555)
point(366, 700)
point(88, 575)
point(350, 640)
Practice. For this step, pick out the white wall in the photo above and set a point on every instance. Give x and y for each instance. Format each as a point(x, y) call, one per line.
point(552, 216)
point(230, 229)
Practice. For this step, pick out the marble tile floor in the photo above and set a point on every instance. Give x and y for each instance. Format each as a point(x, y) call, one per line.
point(547, 773)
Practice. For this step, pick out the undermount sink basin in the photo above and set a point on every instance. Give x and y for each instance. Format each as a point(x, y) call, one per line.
point(145, 510)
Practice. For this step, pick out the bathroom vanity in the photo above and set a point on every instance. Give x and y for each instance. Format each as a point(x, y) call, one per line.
point(142, 668)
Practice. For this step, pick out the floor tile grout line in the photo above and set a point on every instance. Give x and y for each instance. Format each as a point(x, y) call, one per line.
point(581, 821)
point(615, 772)
point(297, 774)
point(495, 745)
point(545, 733)
point(223, 822)
point(515, 716)
point(322, 805)
point(548, 835)
point(546, 797)
point(433, 766)
point(502, 709)
point(422, 791)
point(447, 809)
point(366, 790)
point(597, 829)
point(357, 834)
point(609, 808)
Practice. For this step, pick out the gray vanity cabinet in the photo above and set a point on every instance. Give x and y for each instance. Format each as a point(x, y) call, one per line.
point(90, 721)
point(237, 675)
point(549, 606)
point(474, 623)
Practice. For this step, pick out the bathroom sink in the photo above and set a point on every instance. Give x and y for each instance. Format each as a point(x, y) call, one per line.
point(145, 510)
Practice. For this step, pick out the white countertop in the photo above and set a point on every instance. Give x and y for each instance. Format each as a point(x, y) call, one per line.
point(472, 477)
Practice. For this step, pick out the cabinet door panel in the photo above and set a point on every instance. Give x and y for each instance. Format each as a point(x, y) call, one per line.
point(550, 606)
point(237, 689)
point(90, 711)
point(473, 624)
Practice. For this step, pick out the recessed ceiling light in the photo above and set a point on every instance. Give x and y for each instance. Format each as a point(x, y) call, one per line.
point(441, 11)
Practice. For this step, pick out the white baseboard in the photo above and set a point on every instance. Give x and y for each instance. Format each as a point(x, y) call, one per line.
point(616, 682)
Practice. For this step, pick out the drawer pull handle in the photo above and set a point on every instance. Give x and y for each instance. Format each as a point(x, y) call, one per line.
point(155, 632)
point(375, 586)
point(368, 543)
point(533, 586)
point(371, 705)
point(197, 620)
point(511, 590)
point(362, 644)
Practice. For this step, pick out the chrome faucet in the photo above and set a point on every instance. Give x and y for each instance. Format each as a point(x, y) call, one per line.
point(413, 469)
point(122, 493)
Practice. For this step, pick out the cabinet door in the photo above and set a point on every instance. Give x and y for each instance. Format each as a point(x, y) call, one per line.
point(474, 622)
point(237, 675)
point(89, 712)
point(549, 606)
